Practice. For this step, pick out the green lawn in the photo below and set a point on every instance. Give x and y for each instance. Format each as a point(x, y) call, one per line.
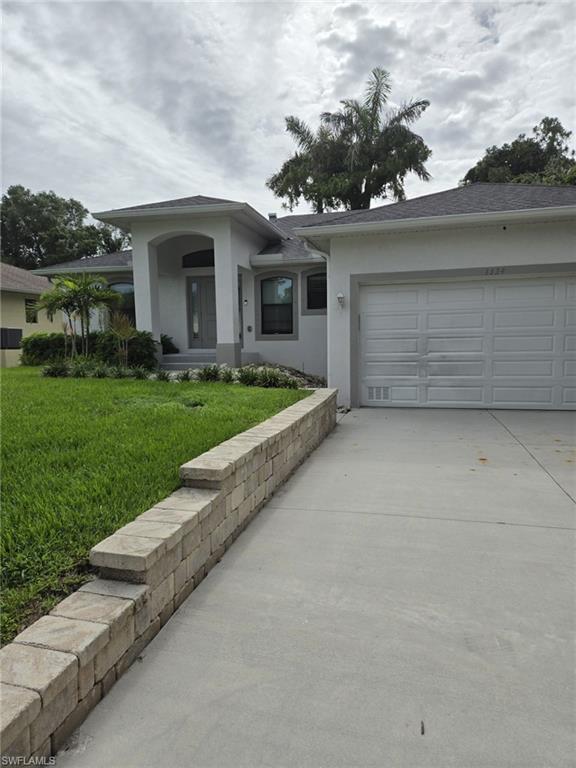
point(81, 457)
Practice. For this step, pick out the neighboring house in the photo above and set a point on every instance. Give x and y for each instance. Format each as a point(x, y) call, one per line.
point(463, 298)
point(20, 317)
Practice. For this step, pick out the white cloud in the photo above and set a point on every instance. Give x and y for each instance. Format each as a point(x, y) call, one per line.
point(124, 102)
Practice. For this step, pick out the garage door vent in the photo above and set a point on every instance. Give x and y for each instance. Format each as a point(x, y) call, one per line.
point(377, 394)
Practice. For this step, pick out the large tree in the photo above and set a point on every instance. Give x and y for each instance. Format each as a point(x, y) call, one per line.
point(39, 229)
point(359, 153)
point(542, 158)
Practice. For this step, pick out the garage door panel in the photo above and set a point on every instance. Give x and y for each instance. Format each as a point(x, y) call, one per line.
point(530, 368)
point(392, 322)
point(528, 291)
point(454, 344)
point(501, 343)
point(523, 343)
point(390, 370)
point(447, 321)
point(524, 319)
point(391, 345)
point(512, 395)
point(403, 394)
point(405, 296)
point(452, 394)
point(456, 295)
point(447, 368)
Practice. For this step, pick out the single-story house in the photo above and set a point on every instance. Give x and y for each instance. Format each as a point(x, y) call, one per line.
point(20, 316)
point(462, 298)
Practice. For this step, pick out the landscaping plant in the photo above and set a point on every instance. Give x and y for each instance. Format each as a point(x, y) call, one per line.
point(121, 328)
point(77, 296)
point(168, 346)
point(40, 348)
point(208, 373)
point(57, 369)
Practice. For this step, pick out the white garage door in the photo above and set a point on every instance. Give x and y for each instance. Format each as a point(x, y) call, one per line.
point(498, 344)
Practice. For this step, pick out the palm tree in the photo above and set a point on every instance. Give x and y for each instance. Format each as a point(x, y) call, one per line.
point(358, 153)
point(59, 300)
point(122, 329)
point(76, 296)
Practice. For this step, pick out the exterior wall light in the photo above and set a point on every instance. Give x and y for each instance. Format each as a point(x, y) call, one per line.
point(340, 299)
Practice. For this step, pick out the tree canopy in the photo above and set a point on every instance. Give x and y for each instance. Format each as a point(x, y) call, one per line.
point(39, 229)
point(542, 158)
point(359, 153)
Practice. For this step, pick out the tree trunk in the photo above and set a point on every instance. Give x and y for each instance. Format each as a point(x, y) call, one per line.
point(87, 330)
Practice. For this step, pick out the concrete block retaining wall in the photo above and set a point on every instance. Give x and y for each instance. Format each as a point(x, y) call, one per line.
point(60, 667)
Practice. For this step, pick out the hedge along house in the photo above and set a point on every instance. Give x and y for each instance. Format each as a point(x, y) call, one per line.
point(20, 315)
point(463, 298)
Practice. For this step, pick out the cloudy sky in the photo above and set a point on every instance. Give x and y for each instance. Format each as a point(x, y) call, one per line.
point(118, 103)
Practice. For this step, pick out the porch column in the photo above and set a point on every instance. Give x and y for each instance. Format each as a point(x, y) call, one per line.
point(227, 310)
point(145, 273)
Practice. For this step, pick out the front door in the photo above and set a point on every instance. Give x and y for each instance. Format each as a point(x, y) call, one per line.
point(201, 313)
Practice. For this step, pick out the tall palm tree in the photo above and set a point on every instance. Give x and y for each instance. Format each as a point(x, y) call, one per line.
point(358, 153)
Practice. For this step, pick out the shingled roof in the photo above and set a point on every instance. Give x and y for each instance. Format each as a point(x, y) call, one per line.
point(468, 199)
point(181, 202)
point(291, 246)
point(118, 259)
point(19, 280)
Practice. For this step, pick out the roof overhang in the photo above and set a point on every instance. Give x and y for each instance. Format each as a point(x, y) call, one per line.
point(280, 260)
point(23, 291)
point(322, 233)
point(63, 270)
point(240, 212)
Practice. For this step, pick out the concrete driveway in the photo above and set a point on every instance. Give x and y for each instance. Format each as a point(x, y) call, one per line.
point(406, 600)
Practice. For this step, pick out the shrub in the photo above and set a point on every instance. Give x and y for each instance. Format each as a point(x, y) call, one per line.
point(80, 367)
point(118, 372)
point(252, 376)
point(227, 375)
point(40, 348)
point(100, 371)
point(162, 375)
point(272, 377)
point(168, 346)
point(56, 369)
point(141, 349)
point(269, 378)
point(248, 376)
point(208, 373)
point(184, 375)
point(139, 372)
